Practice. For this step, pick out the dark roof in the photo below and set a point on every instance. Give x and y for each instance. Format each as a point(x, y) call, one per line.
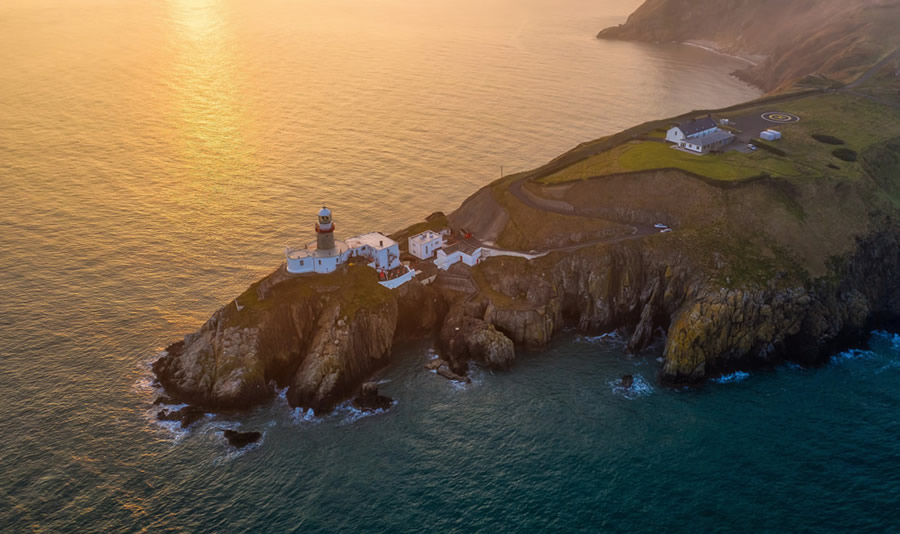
point(462, 246)
point(691, 127)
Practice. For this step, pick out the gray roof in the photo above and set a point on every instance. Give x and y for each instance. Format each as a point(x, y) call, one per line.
point(712, 138)
point(691, 127)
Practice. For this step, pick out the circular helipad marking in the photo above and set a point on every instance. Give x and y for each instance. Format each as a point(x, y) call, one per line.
point(779, 117)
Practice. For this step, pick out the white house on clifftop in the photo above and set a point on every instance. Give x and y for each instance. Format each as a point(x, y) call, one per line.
point(700, 136)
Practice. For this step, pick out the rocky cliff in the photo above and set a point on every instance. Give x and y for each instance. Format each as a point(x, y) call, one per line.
point(788, 39)
point(319, 336)
point(755, 271)
point(656, 292)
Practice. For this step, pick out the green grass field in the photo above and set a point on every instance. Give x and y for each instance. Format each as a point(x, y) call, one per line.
point(860, 122)
point(649, 155)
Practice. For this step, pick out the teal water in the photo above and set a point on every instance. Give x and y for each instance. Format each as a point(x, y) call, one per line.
point(155, 156)
point(554, 445)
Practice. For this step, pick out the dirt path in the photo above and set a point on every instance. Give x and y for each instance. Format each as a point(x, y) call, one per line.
point(873, 70)
point(564, 208)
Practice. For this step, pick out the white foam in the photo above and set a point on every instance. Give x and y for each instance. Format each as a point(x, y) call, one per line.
point(893, 338)
point(233, 452)
point(731, 378)
point(350, 414)
point(301, 416)
point(639, 388)
point(852, 354)
point(609, 337)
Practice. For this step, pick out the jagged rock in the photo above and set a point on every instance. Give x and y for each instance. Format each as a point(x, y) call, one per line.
point(369, 400)
point(186, 416)
point(467, 338)
point(434, 364)
point(164, 399)
point(241, 439)
point(331, 371)
point(447, 373)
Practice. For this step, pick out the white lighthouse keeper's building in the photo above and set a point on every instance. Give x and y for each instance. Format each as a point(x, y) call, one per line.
point(382, 250)
point(424, 245)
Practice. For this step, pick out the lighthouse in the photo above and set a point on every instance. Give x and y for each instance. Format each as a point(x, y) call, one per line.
point(324, 230)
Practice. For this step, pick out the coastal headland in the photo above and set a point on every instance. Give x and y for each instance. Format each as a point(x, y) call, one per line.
point(736, 259)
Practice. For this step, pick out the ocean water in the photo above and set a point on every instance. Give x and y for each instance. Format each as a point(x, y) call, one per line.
point(156, 156)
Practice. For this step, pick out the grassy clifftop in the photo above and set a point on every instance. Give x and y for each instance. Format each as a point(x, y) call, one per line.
point(741, 217)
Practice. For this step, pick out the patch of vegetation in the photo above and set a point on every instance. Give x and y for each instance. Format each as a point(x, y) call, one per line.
point(531, 229)
point(769, 148)
point(828, 139)
point(648, 155)
point(736, 263)
point(845, 154)
point(882, 163)
point(860, 122)
point(356, 286)
point(509, 265)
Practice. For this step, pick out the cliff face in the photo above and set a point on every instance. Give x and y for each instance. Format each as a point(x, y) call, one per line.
point(789, 39)
point(321, 337)
point(708, 329)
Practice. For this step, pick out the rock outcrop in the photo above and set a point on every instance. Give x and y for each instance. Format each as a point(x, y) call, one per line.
point(319, 336)
point(239, 440)
point(369, 400)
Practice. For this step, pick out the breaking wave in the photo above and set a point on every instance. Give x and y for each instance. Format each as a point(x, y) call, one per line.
point(890, 337)
point(731, 378)
point(851, 355)
point(349, 414)
point(604, 339)
point(639, 388)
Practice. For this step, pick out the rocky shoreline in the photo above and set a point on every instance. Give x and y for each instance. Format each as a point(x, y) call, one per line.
point(324, 350)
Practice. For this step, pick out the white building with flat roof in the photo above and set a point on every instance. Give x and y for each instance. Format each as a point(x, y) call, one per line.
point(458, 252)
point(384, 251)
point(426, 244)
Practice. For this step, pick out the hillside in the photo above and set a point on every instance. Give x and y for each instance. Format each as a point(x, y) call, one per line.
point(787, 252)
point(787, 39)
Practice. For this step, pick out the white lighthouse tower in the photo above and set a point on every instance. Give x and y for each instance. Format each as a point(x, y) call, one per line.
point(326, 254)
point(324, 231)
